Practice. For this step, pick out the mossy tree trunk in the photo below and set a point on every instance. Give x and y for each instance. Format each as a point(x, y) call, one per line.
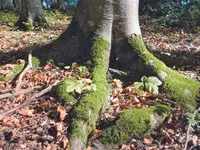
point(31, 15)
point(107, 33)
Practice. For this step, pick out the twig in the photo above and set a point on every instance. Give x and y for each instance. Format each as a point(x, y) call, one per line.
point(24, 71)
point(188, 131)
point(24, 91)
point(28, 101)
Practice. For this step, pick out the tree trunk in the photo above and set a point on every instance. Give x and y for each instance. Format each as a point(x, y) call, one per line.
point(60, 5)
point(31, 15)
point(6, 5)
point(107, 32)
point(17, 4)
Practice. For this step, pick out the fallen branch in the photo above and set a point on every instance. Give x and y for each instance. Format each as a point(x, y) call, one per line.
point(188, 131)
point(48, 89)
point(24, 91)
point(29, 66)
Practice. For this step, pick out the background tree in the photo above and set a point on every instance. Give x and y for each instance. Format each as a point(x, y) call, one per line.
point(6, 5)
point(17, 4)
point(31, 15)
point(103, 34)
point(60, 5)
point(172, 13)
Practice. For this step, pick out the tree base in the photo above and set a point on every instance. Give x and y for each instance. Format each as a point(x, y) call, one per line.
point(178, 87)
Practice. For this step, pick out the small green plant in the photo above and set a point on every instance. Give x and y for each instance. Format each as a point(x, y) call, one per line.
point(149, 84)
point(80, 86)
point(192, 120)
point(80, 70)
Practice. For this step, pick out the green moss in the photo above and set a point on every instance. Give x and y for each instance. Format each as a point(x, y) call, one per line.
point(60, 91)
point(134, 123)
point(177, 86)
point(13, 73)
point(35, 62)
point(18, 68)
point(87, 111)
point(8, 18)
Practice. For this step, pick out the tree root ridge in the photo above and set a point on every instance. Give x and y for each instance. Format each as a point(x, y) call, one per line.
point(178, 87)
point(134, 123)
point(86, 113)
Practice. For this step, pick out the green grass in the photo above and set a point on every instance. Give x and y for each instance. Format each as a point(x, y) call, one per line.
point(55, 19)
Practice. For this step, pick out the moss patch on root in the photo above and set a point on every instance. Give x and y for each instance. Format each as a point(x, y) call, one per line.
point(60, 91)
point(13, 73)
point(88, 109)
point(135, 123)
point(178, 87)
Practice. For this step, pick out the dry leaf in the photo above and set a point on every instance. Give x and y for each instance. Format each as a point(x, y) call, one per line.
point(148, 140)
point(26, 112)
point(89, 148)
point(65, 143)
point(98, 133)
point(62, 112)
point(6, 119)
point(52, 98)
point(4, 72)
point(125, 147)
point(59, 127)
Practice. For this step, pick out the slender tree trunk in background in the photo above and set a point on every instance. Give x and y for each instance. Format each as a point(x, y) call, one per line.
point(6, 5)
point(60, 5)
point(106, 33)
point(31, 15)
point(17, 4)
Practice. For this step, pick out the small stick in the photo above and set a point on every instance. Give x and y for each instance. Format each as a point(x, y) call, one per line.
point(188, 131)
point(28, 101)
point(29, 66)
point(24, 91)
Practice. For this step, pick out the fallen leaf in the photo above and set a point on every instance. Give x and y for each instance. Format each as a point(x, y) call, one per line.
point(148, 140)
point(125, 147)
point(26, 112)
point(98, 133)
point(89, 148)
point(4, 72)
point(62, 112)
point(65, 143)
point(59, 127)
point(6, 119)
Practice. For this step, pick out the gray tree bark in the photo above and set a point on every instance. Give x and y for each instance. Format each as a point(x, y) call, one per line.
point(31, 15)
point(17, 4)
point(6, 5)
point(60, 5)
point(107, 33)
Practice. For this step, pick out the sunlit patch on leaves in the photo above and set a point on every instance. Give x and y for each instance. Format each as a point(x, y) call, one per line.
point(79, 86)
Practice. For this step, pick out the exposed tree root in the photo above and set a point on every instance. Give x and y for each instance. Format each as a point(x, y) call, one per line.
point(134, 123)
point(29, 66)
point(178, 87)
point(24, 91)
point(48, 89)
point(87, 111)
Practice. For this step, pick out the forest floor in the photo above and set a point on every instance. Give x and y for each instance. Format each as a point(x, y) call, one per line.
point(43, 122)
